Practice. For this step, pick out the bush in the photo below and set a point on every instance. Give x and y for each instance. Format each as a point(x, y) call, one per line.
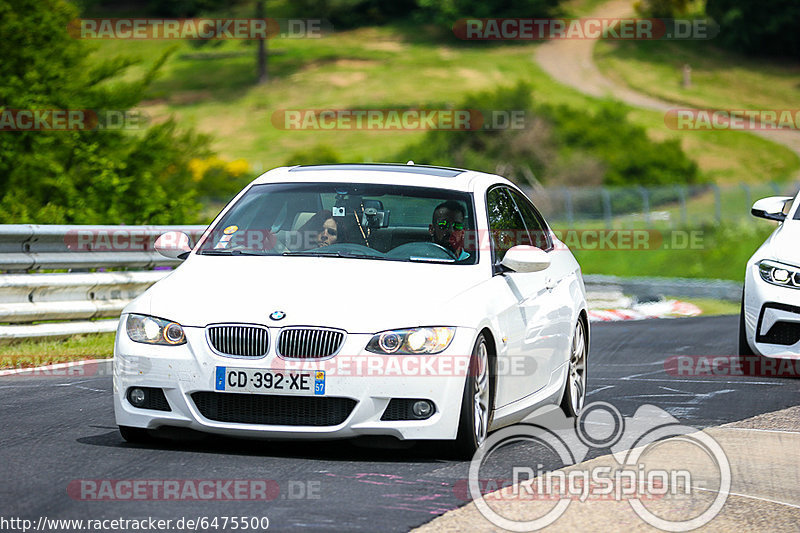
point(754, 27)
point(218, 179)
point(447, 12)
point(86, 176)
point(560, 146)
point(318, 155)
point(662, 8)
point(631, 157)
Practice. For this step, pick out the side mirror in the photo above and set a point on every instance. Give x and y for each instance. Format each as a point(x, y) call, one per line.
point(771, 208)
point(526, 259)
point(174, 244)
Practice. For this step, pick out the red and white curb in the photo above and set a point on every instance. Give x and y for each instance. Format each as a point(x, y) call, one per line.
point(643, 311)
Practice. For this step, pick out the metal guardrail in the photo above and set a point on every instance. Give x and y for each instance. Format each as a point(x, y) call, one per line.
point(715, 289)
point(25, 247)
point(30, 303)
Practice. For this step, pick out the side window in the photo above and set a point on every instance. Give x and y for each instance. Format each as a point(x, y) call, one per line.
point(539, 236)
point(505, 223)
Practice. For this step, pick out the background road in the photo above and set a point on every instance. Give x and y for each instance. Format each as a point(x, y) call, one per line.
point(60, 429)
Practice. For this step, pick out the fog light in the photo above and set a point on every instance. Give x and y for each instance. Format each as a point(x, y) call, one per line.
point(136, 397)
point(422, 409)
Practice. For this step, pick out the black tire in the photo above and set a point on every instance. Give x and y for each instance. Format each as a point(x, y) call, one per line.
point(574, 396)
point(135, 435)
point(747, 357)
point(477, 396)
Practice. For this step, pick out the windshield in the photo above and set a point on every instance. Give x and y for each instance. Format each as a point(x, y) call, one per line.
point(365, 221)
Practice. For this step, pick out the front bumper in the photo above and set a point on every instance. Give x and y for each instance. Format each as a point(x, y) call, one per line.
point(767, 309)
point(371, 380)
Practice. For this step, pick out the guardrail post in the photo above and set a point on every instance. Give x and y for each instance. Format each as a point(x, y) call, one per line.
point(568, 206)
point(606, 206)
point(684, 212)
point(748, 199)
point(645, 205)
point(717, 203)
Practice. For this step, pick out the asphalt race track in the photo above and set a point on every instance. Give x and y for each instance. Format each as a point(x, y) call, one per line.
point(60, 429)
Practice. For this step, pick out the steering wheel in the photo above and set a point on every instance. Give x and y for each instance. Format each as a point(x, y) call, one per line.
point(421, 249)
point(448, 251)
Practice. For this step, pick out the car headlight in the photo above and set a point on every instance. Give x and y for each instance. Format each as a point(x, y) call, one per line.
point(779, 274)
point(412, 341)
point(152, 330)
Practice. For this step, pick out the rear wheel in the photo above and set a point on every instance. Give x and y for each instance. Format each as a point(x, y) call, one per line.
point(575, 389)
point(473, 423)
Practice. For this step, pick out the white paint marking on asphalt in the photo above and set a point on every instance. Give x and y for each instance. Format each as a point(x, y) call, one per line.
point(650, 373)
point(90, 389)
point(665, 395)
point(653, 363)
point(796, 506)
point(669, 389)
point(761, 430)
point(604, 387)
point(665, 380)
point(694, 397)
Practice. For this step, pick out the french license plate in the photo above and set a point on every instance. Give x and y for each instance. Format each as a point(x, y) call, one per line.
point(270, 381)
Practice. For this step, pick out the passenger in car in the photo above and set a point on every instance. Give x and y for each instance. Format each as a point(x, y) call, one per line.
point(447, 228)
point(322, 230)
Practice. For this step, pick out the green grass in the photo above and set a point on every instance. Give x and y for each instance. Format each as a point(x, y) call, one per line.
point(713, 307)
point(720, 79)
point(29, 353)
point(720, 253)
point(393, 66)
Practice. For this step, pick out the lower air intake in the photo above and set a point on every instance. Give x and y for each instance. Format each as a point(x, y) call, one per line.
point(273, 410)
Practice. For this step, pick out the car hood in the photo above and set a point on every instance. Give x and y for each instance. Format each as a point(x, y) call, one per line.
point(784, 244)
point(359, 296)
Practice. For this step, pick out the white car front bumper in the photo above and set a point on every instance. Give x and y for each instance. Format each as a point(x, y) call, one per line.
point(766, 306)
point(369, 379)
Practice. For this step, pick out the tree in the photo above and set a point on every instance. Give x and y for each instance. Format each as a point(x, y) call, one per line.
point(83, 176)
point(753, 27)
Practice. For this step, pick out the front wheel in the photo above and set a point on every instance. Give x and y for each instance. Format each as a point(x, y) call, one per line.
point(135, 435)
point(575, 389)
point(746, 354)
point(473, 425)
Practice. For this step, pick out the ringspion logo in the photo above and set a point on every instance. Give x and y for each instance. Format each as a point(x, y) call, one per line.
point(641, 469)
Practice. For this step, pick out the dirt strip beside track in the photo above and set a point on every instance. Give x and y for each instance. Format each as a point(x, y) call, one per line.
point(764, 494)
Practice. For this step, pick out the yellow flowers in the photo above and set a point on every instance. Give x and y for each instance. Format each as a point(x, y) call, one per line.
point(200, 167)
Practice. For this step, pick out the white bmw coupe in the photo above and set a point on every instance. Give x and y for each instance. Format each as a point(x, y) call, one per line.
point(770, 317)
point(336, 301)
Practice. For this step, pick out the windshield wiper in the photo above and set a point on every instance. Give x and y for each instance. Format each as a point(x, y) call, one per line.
point(229, 252)
point(416, 259)
point(351, 255)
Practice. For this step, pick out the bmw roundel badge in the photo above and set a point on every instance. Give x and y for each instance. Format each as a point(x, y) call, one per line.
point(277, 315)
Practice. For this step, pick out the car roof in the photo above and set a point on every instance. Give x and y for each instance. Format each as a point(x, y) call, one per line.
point(444, 172)
point(392, 173)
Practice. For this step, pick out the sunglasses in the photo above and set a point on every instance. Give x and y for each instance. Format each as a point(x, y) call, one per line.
point(329, 231)
point(457, 226)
